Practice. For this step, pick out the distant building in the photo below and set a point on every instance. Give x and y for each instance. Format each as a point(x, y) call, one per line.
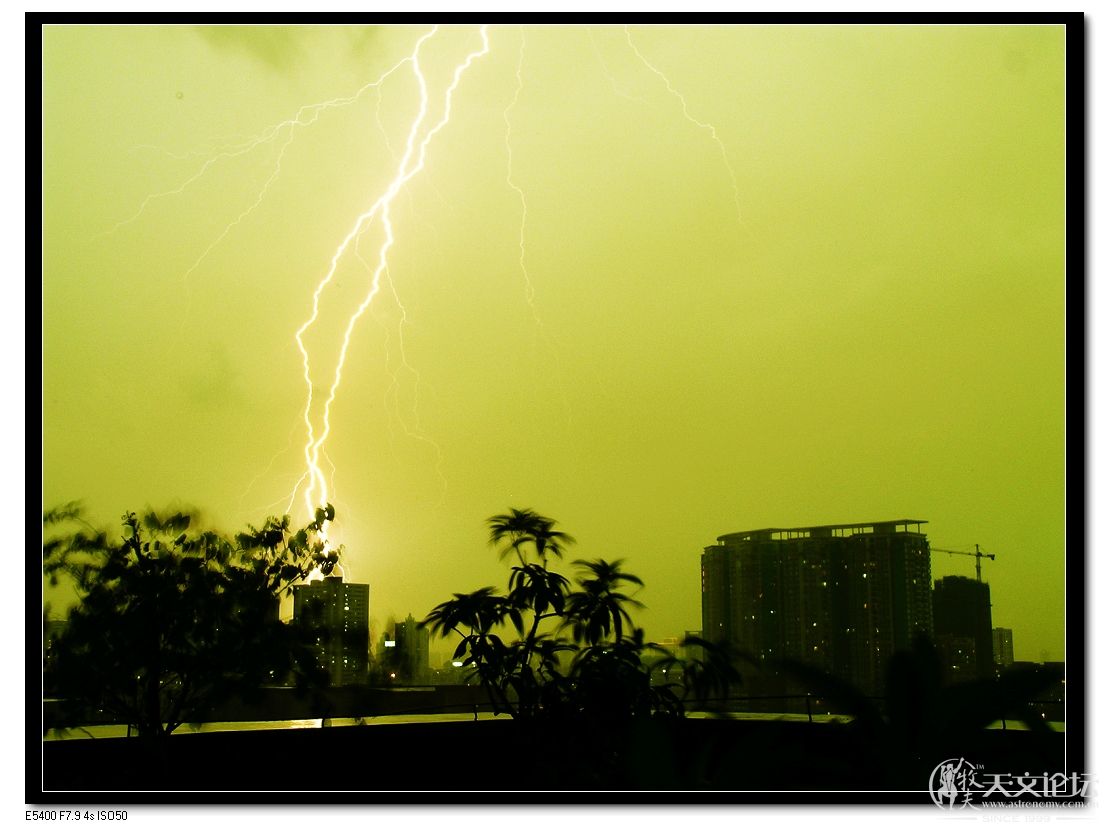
point(1002, 647)
point(413, 645)
point(338, 613)
point(405, 653)
point(961, 613)
point(842, 598)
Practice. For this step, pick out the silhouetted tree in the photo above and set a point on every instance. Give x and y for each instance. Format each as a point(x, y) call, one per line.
point(603, 672)
point(593, 705)
point(172, 619)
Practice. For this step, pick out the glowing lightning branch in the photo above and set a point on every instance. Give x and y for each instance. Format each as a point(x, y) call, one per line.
point(607, 72)
point(305, 116)
point(529, 287)
point(416, 432)
point(703, 125)
point(264, 472)
point(242, 149)
point(317, 490)
point(246, 212)
point(313, 485)
point(523, 201)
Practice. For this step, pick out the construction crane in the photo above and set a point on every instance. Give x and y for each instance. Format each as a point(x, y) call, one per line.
point(977, 554)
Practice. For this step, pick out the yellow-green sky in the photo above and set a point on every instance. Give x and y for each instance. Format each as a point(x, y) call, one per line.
point(867, 325)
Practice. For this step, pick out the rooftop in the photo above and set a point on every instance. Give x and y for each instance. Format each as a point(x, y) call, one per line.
point(832, 530)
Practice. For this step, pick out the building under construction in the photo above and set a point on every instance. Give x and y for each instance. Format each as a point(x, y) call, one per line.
point(963, 627)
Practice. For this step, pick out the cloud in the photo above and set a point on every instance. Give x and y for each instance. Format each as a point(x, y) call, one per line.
point(214, 382)
point(275, 46)
point(284, 48)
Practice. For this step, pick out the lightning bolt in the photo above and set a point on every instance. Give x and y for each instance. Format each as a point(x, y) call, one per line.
point(305, 116)
point(244, 213)
point(264, 472)
point(232, 152)
point(416, 432)
point(702, 124)
point(616, 89)
point(411, 164)
point(313, 486)
point(529, 287)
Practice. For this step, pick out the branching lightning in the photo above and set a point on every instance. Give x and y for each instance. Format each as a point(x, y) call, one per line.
point(265, 471)
point(313, 486)
point(530, 288)
point(246, 212)
point(702, 124)
point(251, 144)
point(410, 165)
point(416, 432)
point(616, 88)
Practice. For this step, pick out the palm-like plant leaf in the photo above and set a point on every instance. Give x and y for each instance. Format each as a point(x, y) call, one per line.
point(598, 610)
point(536, 588)
point(519, 527)
point(480, 611)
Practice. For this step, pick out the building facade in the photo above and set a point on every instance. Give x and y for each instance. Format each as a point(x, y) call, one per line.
point(1002, 647)
point(963, 623)
point(407, 655)
point(841, 598)
point(338, 614)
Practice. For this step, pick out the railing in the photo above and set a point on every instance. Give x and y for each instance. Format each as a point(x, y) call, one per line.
point(729, 704)
point(810, 706)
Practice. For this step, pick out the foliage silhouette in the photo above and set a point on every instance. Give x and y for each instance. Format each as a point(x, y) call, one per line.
point(173, 619)
point(524, 526)
point(604, 674)
point(924, 720)
point(566, 660)
point(598, 609)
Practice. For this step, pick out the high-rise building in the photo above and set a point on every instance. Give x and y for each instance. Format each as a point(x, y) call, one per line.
point(958, 656)
point(410, 653)
point(962, 620)
point(1002, 647)
point(841, 598)
point(338, 613)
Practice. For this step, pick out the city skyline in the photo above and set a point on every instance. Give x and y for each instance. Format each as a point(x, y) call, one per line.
point(654, 282)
